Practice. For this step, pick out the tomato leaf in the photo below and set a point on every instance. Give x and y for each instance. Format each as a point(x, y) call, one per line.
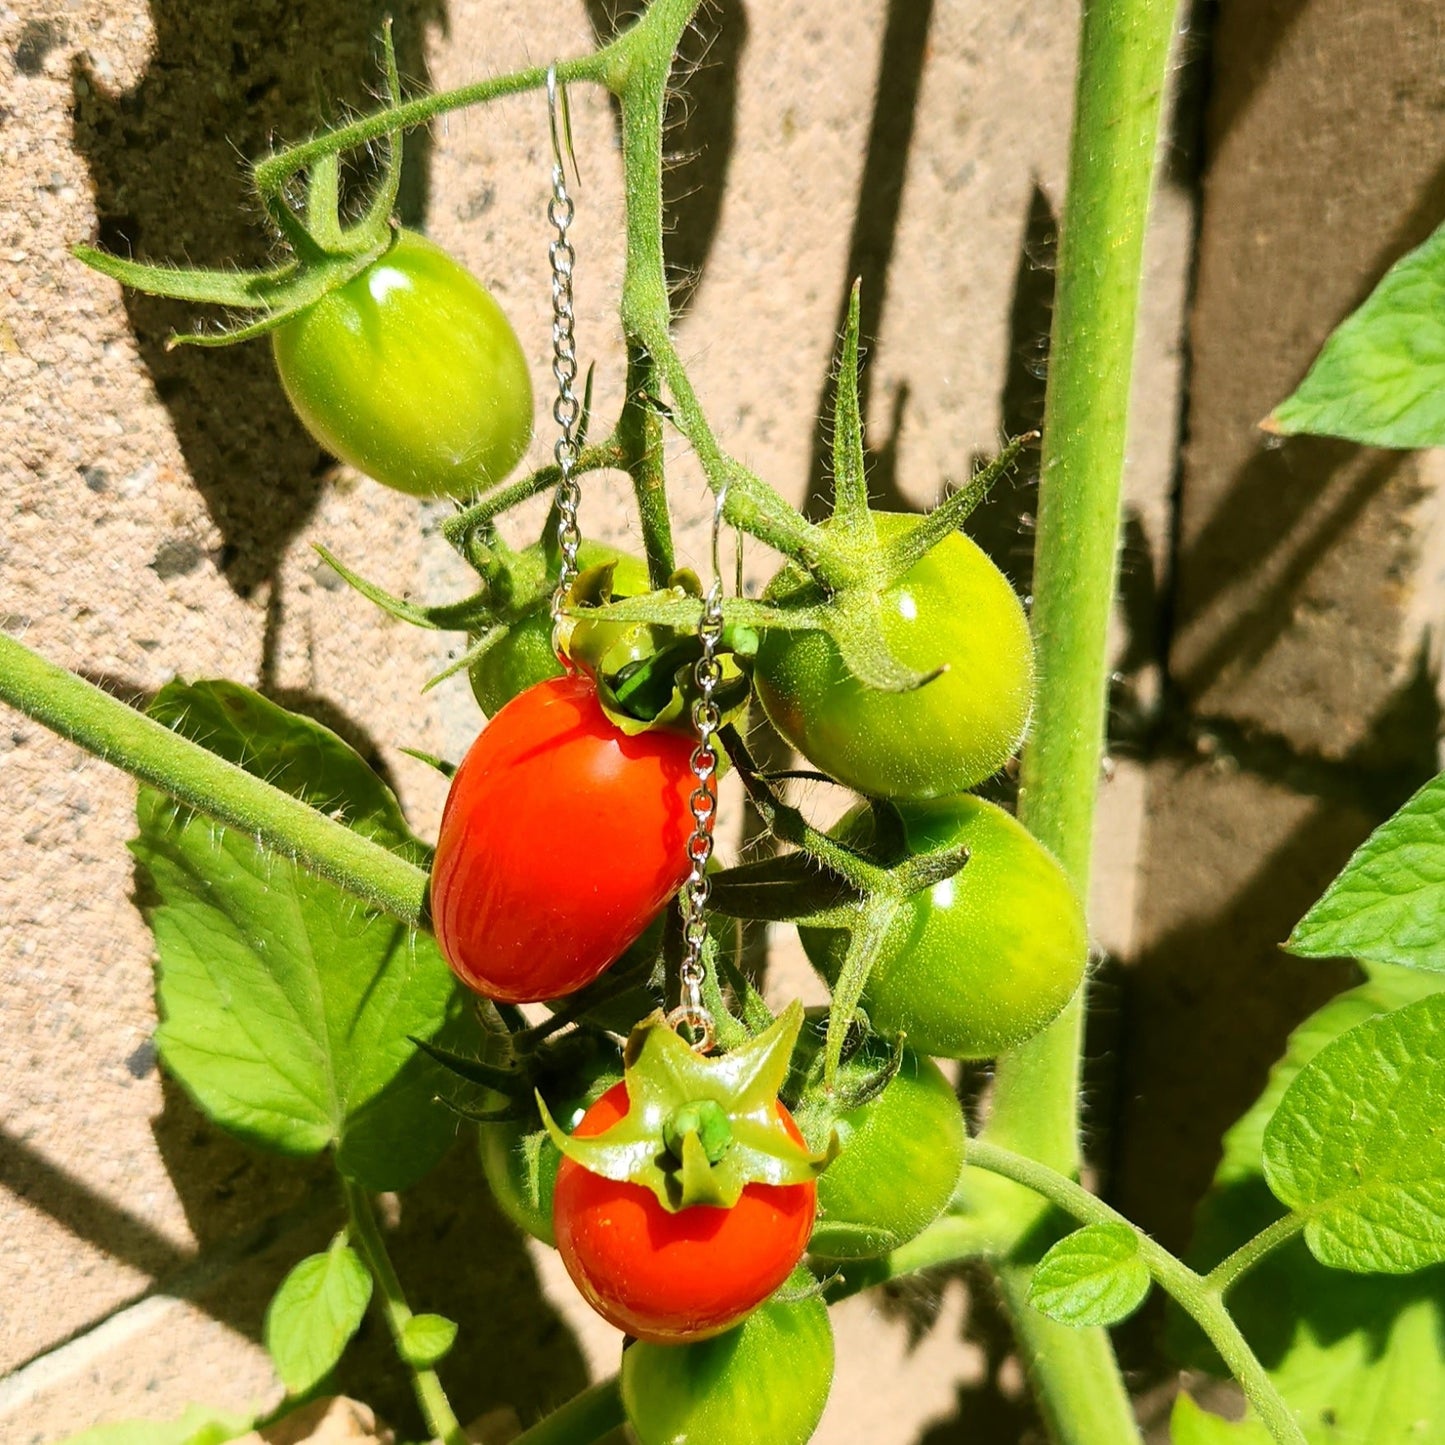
point(291, 752)
point(1380, 378)
point(1357, 1144)
point(287, 1008)
point(426, 1340)
point(314, 1313)
point(1093, 1276)
point(1388, 902)
point(198, 1426)
point(1336, 1345)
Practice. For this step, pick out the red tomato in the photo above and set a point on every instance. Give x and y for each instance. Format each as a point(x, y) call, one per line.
point(561, 840)
point(672, 1277)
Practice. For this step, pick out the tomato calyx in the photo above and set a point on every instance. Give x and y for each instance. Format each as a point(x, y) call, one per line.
point(850, 610)
point(699, 1130)
point(644, 668)
point(326, 252)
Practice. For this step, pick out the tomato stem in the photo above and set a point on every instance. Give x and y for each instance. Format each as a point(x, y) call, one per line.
point(587, 1417)
point(82, 713)
point(1195, 1293)
point(441, 1420)
point(1123, 54)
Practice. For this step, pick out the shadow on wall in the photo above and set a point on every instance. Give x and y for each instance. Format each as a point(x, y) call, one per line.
point(167, 157)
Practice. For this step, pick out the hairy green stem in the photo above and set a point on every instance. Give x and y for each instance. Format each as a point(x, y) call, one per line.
point(639, 435)
point(118, 734)
point(1123, 53)
point(1228, 1271)
point(461, 527)
point(585, 1418)
point(647, 315)
point(436, 1409)
point(1190, 1289)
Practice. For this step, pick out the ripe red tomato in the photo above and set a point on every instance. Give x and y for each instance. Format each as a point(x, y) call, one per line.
point(666, 1277)
point(561, 840)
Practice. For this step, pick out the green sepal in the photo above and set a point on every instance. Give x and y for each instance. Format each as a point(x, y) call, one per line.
point(850, 481)
point(278, 292)
point(663, 1074)
point(464, 616)
point(644, 669)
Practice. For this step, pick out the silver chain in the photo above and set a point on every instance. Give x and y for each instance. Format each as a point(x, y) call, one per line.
point(566, 409)
point(706, 718)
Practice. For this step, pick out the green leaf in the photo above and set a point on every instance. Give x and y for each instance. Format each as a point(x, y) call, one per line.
point(287, 1008)
point(292, 752)
point(1358, 1144)
point(426, 1340)
point(1336, 1345)
point(1091, 1277)
point(1381, 376)
point(314, 1314)
point(1389, 902)
point(198, 1426)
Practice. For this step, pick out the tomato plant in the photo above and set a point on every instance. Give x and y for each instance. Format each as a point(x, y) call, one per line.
point(765, 1380)
point(519, 915)
point(901, 1156)
point(953, 609)
point(668, 1277)
point(983, 960)
point(411, 373)
point(307, 1010)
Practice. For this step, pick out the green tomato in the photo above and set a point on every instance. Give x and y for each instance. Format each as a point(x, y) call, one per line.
point(951, 608)
point(524, 655)
point(901, 1159)
point(985, 959)
point(411, 373)
point(765, 1382)
point(521, 1161)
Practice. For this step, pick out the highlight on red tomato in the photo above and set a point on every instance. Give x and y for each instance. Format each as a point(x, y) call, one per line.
point(562, 838)
point(763, 1383)
point(668, 1277)
point(985, 959)
point(952, 608)
point(411, 373)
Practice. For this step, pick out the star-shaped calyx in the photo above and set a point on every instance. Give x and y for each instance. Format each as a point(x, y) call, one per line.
point(699, 1129)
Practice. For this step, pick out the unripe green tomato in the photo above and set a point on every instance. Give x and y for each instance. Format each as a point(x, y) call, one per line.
point(901, 1159)
point(411, 373)
point(524, 656)
point(764, 1382)
point(504, 1147)
point(952, 608)
point(985, 959)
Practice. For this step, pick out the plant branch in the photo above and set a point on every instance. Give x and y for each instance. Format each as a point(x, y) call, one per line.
point(1123, 55)
point(436, 1409)
point(1228, 1271)
point(585, 1418)
point(82, 713)
point(639, 438)
point(1191, 1290)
